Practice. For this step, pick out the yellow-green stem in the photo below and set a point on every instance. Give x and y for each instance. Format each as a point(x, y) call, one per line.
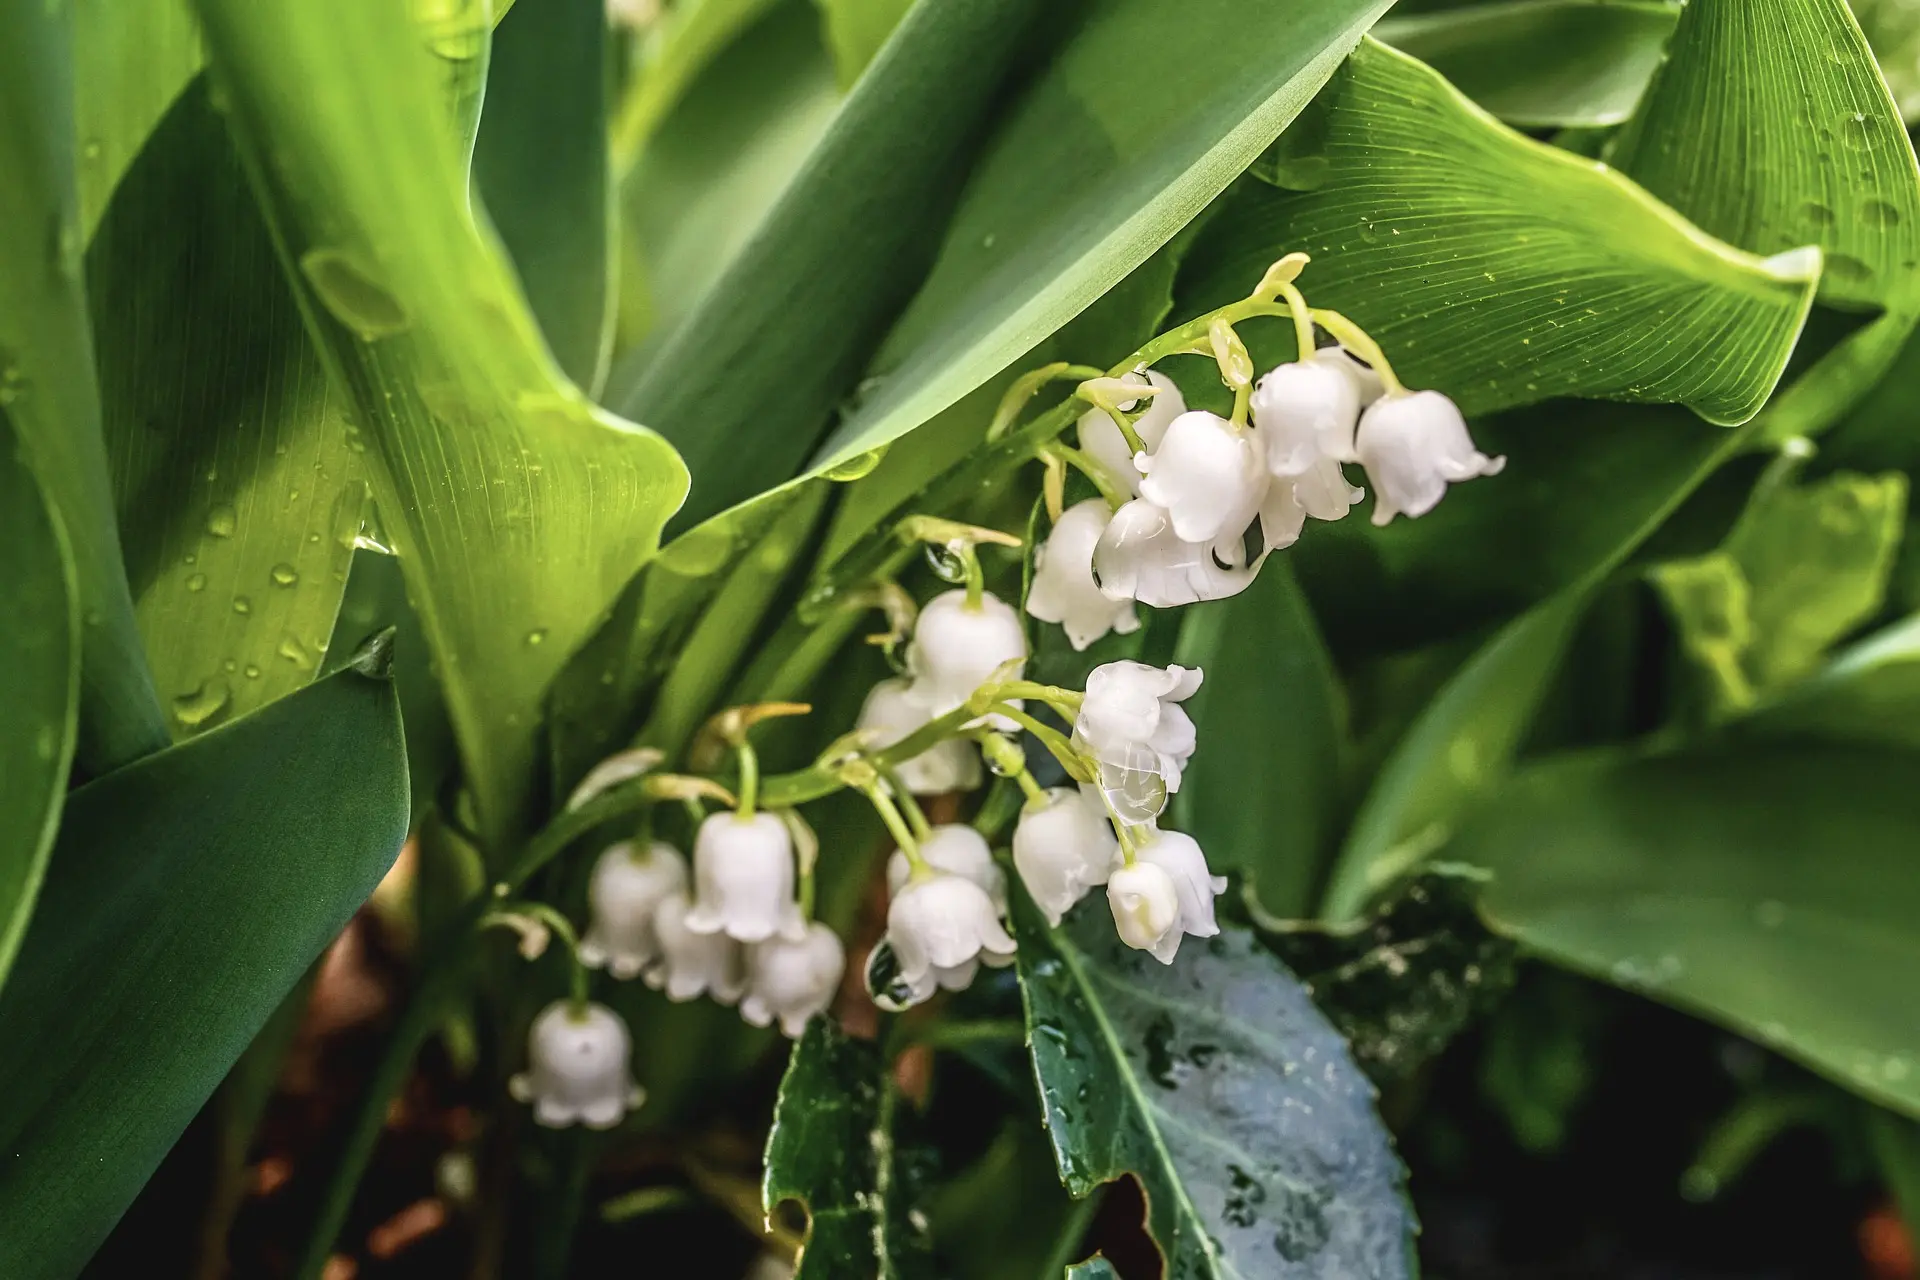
point(895, 824)
point(749, 777)
point(1355, 339)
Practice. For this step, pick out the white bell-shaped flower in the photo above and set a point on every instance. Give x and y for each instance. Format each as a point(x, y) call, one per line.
point(1101, 441)
point(1323, 491)
point(693, 964)
point(1146, 908)
point(940, 926)
point(1365, 377)
point(1063, 845)
point(1281, 516)
point(1141, 557)
point(628, 884)
point(1178, 854)
point(743, 878)
point(956, 649)
point(1207, 474)
point(792, 981)
point(891, 712)
point(578, 1068)
point(1413, 447)
point(1306, 412)
point(960, 850)
point(1132, 725)
point(1064, 589)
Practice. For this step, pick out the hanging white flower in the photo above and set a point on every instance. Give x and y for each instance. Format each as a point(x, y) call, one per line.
point(1306, 411)
point(1207, 474)
point(940, 927)
point(1195, 887)
point(1063, 845)
point(628, 884)
point(1141, 557)
point(578, 1068)
point(891, 713)
point(1064, 589)
point(743, 878)
point(1132, 725)
point(1146, 909)
point(793, 981)
point(1413, 447)
point(1101, 441)
point(693, 964)
point(960, 850)
point(957, 648)
point(1323, 492)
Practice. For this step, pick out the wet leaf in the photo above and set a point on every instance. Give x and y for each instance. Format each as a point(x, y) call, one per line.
point(1217, 1083)
point(130, 62)
point(47, 389)
point(239, 491)
point(186, 895)
point(1498, 269)
point(1769, 889)
point(518, 510)
point(834, 1148)
point(1405, 981)
point(39, 687)
point(1542, 63)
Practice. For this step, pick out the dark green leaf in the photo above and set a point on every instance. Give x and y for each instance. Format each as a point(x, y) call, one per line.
point(239, 491)
point(518, 510)
point(185, 897)
point(1218, 1084)
point(1401, 984)
point(47, 376)
point(1498, 269)
point(1869, 692)
point(39, 687)
point(1543, 63)
point(1770, 889)
point(1264, 795)
point(541, 164)
point(833, 1147)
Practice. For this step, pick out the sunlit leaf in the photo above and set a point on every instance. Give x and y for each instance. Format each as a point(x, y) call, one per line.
point(130, 62)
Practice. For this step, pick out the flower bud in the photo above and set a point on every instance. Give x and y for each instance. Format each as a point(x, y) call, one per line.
point(1141, 557)
point(1146, 909)
point(1101, 441)
point(577, 1068)
point(1062, 846)
point(1305, 412)
point(1064, 589)
point(792, 981)
point(891, 713)
point(940, 926)
point(693, 964)
point(956, 649)
point(1207, 474)
point(628, 884)
point(1195, 887)
point(958, 849)
point(1413, 447)
point(743, 878)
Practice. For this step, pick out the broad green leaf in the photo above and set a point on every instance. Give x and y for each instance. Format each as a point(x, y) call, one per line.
point(1769, 889)
point(47, 376)
point(1094, 1268)
point(1892, 27)
point(1498, 269)
point(1869, 692)
point(39, 687)
point(130, 62)
point(186, 895)
point(855, 30)
point(1403, 982)
point(1217, 1083)
point(1460, 748)
point(1088, 174)
point(1264, 795)
point(1542, 63)
point(518, 510)
point(238, 489)
point(833, 1147)
point(718, 163)
point(686, 37)
point(740, 388)
point(541, 165)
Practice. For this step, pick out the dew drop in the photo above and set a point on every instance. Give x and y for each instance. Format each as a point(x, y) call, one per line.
point(196, 582)
point(222, 520)
point(90, 150)
point(241, 604)
point(252, 671)
point(1847, 269)
point(284, 575)
point(1820, 215)
point(1880, 213)
point(536, 637)
point(195, 708)
point(293, 651)
point(350, 292)
point(859, 465)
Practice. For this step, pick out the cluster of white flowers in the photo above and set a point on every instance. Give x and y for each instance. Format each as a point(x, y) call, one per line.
point(1202, 487)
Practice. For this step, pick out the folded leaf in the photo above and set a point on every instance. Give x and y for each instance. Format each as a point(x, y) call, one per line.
point(186, 895)
point(1217, 1083)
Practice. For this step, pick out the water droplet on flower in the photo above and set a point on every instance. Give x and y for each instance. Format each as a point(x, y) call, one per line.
point(222, 520)
point(949, 560)
point(195, 708)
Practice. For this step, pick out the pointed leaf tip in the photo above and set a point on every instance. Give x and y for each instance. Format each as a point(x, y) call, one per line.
point(374, 657)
